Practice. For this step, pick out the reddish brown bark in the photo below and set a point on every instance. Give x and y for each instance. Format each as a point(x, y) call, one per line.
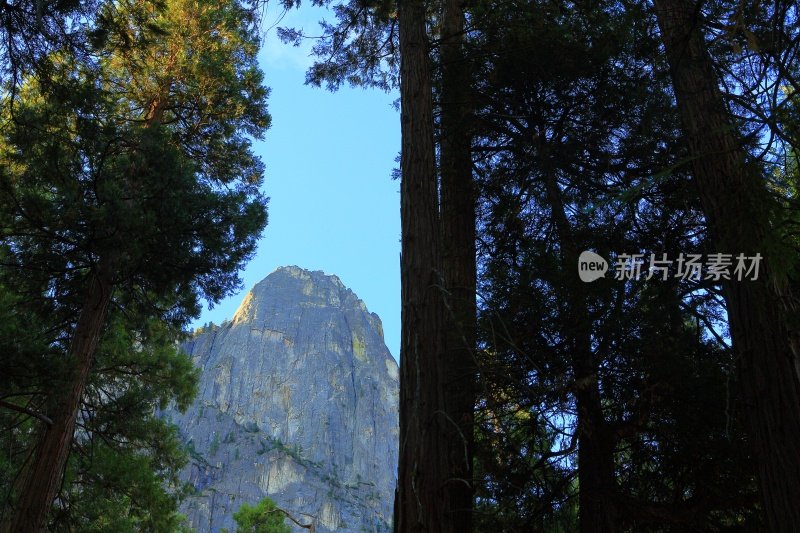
point(736, 206)
point(422, 460)
point(42, 479)
point(458, 265)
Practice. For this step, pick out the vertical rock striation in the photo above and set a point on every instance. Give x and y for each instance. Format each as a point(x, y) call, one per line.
point(297, 401)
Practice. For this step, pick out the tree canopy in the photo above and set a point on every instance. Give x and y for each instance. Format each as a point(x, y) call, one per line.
point(533, 131)
point(263, 517)
point(129, 192)
point(588, 131)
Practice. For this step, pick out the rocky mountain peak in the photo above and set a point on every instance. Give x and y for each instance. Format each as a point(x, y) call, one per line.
point(303, 288)
point(297, 401)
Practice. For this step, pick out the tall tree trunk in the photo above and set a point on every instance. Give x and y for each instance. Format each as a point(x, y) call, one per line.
point(42, 479)
point(458, 265)
point(422, 474)
point(736, 206)
point(596, 502)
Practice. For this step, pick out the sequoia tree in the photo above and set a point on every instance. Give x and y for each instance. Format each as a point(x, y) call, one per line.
point(437, 359)
point(738, 209)
point(458, 221)
point(419, 504)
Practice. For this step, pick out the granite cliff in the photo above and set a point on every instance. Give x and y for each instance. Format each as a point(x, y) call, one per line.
point(297, 401)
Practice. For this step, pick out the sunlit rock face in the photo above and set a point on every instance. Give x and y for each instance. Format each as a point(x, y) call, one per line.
point(297, 401)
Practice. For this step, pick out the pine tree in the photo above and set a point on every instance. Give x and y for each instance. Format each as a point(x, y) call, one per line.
point(571, 149)
point(131, 185)
point(263, 517)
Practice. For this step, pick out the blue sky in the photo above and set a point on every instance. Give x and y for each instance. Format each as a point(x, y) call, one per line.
point(333, 205)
